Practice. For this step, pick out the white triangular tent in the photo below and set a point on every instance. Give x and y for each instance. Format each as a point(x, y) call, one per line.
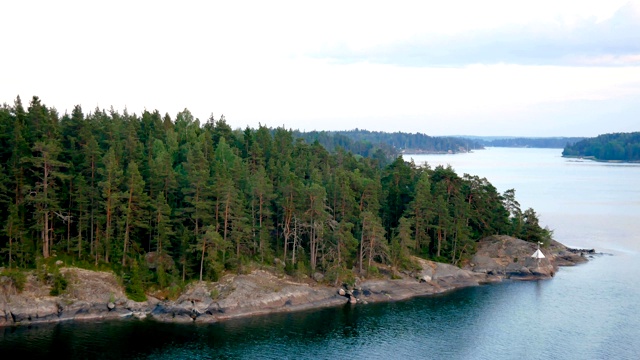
point(538, 254)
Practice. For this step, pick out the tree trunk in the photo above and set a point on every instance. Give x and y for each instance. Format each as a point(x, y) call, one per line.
point(45, 231)
point(260, 202)
point(362, 244)
point(127, 230)
point(439, 242)
point(295, 241)
point(10, 243)
point(80, 236)
point(93, 170)
point(204, 246)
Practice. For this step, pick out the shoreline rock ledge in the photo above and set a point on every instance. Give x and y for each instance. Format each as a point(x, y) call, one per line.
point(94, 295)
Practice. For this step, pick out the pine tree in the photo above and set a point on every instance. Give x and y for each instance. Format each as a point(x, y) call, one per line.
point(134, 202)
point(45, 165)
point(373, 243)
point(164, 228)
point(197, 192)
point(110, 186)
point(400, 244)
point(422, 210)
point(261, 197)
point(315, 218)
point(92, 157)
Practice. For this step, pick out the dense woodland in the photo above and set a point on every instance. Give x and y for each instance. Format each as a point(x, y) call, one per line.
point(177, 199)
point(366, 143)
point(617, 146)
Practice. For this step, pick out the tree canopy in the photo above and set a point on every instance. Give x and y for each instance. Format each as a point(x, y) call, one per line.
point(617, 146)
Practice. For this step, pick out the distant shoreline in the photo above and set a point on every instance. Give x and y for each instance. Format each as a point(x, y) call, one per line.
point(593, 158)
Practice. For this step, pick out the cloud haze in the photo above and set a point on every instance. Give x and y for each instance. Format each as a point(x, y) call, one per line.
point(584, 42)
point(525, 68)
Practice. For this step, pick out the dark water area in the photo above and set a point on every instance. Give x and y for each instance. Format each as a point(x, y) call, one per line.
point(591, 311)
point(444, 326)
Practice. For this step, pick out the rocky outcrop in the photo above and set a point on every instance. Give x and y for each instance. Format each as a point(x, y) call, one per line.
point(87, 297)
point(259, 292)
point(508, 257)
point(98, 295)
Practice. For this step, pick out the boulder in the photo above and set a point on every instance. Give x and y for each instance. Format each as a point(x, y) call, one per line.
point(154, 259)
point(34, 310)
point(318, 277)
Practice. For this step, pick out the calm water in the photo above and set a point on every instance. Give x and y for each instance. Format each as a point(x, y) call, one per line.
point(586, 312)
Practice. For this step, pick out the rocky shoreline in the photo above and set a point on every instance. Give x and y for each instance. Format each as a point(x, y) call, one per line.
point(93, 295)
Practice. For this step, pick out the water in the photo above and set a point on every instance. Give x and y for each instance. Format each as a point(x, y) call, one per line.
point(590, 311)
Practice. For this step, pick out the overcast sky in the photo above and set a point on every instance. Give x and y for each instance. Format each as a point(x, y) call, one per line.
point(522, 68)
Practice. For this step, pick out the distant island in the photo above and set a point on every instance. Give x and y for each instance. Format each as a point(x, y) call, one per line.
point(607, 147)
point(525, 142)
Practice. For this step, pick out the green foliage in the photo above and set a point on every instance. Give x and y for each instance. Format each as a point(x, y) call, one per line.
point(617, 146)
point(337, 276)
point(163, 278)
point(17, 277)
point(373, 271)
point(371, 143)
point(215, 270)
point(59, 285)
point(134, 287)
point(214, 294)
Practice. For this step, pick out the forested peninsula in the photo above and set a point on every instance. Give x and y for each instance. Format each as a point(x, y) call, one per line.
point(607, 147)
point(161, 201)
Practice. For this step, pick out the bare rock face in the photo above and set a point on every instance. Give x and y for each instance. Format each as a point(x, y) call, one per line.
point(93, 286)
point(509, 257)
point(258, 292)
point(86, 297)
point(35, 310)
point(3, 318)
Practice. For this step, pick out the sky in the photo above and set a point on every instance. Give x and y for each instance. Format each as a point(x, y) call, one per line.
point(509, 68)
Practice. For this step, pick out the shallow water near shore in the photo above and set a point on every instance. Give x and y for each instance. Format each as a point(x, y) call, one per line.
point(591, 311)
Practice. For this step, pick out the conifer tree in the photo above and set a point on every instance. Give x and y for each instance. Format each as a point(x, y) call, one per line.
point(261, 197)
point(110, 185)
point(134, 203)
point(45, 165)
point(422, 210)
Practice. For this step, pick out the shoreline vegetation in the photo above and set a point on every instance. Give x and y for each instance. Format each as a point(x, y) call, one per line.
point(155, 203)
point(615, 148)
point(96, 295)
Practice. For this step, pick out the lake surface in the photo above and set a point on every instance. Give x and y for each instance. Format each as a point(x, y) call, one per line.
point(591, 311)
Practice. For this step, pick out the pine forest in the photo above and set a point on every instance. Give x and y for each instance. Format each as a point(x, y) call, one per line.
point(165, 200)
